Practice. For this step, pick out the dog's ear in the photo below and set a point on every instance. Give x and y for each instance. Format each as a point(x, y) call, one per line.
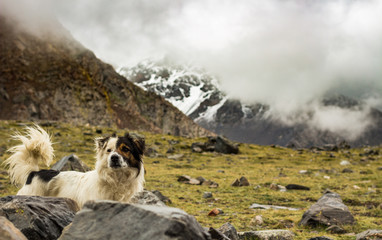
point(101, 142)
point(139, 142)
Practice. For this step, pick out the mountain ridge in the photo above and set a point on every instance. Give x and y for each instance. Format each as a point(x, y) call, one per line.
point(250, 123)
point(53, 77)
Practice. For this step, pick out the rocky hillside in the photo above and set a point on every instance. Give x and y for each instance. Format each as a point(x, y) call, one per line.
point(50, 76)
point(198, 95)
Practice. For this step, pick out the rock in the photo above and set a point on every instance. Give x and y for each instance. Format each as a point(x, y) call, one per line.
point(147, 198)
point(38, 217)
point(171, 150)
point(198, 147)
point(344, 145)
point(328, 210)
point(151, 152)
point(184, 178)
point(240, 182)
point(347, 170)
point(296, 187)
point(162, 197)
point(70, 163)
point(176, 156)
point(8, 231)
point(201, 179)
point(277, 187)
point(223, 145)
point(330, 147)
point(368, 152)
point(267, 235)
point(260, 206)
point(230, 231)
point(257, 221)
point(379, 168)
point(113, 220)
point(344, 163)
point(321, 238)
point(215, 212)
point(217, 235)
point(217, 144)
point(236, 183)
point(335, 229)
point(303, 171)
point(207, 195)
point(371, 234)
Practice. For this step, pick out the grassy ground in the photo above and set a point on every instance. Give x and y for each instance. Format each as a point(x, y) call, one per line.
point(261, 165)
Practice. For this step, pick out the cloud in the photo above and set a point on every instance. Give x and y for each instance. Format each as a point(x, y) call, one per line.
point(286, 54)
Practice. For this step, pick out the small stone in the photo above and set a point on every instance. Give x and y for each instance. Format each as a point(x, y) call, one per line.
point(326, 177)
point(321, 238)
point(184, 178)
point(356, 187)
point(379, 168)
point(257, 221)
point(170, 150)
point(267, 234)
point(156, 162)
point(369, 235)
point(194, 181)
point(175, 156)
point(256, 187)
point(161, 196)
point(201, 179)
point(220, 171)
point(344, 163)
point(347, 170)
point(215, 212)
point(303, 171)
point(244, 181)
point(207, 195)
point(335, 229)
point(296, 187)
point(236, 183)
point(274, 186)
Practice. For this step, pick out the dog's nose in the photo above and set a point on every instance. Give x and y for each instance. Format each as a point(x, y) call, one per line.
point(115, 159)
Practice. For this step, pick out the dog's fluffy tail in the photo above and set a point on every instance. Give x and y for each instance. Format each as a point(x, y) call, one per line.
point(35, 148)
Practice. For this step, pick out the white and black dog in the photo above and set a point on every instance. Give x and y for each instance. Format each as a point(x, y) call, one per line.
point(118, 174)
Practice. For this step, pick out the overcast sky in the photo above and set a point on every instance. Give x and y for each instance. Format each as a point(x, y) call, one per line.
point(273, 51)
point(280, 52)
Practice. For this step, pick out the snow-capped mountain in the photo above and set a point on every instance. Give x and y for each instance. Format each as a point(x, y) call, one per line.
point(198, 95)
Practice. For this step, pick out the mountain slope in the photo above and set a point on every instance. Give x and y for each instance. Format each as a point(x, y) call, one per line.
point(51, 76)
point(198, 95)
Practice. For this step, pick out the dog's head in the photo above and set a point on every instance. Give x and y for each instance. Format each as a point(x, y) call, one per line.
point(121, 152)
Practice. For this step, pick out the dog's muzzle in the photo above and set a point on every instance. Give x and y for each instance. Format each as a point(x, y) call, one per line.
point(115, 161)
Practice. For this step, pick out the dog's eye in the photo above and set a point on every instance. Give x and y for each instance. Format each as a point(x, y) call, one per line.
point(109, 150)
point(125, 149)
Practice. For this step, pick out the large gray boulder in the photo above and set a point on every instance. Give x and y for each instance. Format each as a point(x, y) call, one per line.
point(113, 220)
point(230, 231)
point(70, 163)
point(38, 217)
point(8, 231)
point(328, 210)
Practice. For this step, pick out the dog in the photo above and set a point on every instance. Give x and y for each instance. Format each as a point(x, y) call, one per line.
point(118, 174)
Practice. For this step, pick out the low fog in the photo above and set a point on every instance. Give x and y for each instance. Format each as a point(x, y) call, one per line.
point(287, 54)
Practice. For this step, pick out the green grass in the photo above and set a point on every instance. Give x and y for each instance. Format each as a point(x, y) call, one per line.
point(261, 165)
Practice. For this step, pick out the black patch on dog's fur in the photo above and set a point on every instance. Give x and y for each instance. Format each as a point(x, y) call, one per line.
point(136, 146)
point(44, 175)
